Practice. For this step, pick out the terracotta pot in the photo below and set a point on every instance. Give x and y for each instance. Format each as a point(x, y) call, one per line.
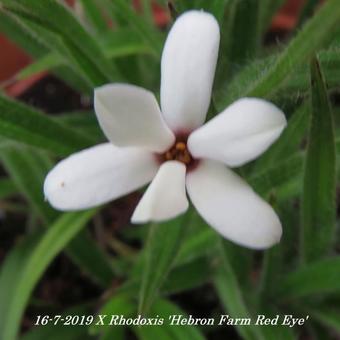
point(13, 59)
point(160, 13)
point(288, 16)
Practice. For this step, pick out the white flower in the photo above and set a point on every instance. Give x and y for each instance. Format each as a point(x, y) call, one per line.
point(172, 149)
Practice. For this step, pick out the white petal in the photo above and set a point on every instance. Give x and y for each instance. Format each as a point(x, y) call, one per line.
point(239, 134)
point(129, 116)
point(97, 175)
point(188, 68)
point(231, 207)
point(165, 197)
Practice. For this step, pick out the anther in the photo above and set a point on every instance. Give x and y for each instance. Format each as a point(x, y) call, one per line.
point(180, 146)
point(179, 152)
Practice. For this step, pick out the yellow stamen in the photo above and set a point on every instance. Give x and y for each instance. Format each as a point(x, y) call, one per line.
point(180, 146)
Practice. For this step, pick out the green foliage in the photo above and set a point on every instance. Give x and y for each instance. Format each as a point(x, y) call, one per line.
point(316, 31)
point(26, 125)
point(158, 255)
point(231, 295)
point(316, 278)
point(160, 269)
point(318, 201)
point(27, 263)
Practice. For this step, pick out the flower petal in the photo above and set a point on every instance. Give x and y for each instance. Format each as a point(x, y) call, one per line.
point(97, 175)
point(165, 197)
point(239, 134)
point(129, 116)
point(188, 68)
point(231, 207)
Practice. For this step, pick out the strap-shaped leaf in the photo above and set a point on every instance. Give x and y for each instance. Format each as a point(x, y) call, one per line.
point(231, 296)
point(123, 12)
point(25, 266)
point(28, 168)
point(328, 316)
point(289, 141)
point(15, 31)
point(7, 188)
point(316, 278)
point(273, 74)
point(272, 177)
point(318, 200)
point(165, 308)
point(26, 125)
point(57, 18)
point(161, 248)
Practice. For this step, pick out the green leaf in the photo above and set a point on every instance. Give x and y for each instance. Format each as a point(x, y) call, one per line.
point(119, 43)
point(123, 42)
point(187, 277)
point(317, 278)
point(85, 121)
point(7, 188)
point(161, 249)
point(289, 141)
point(273, 177)
point(10, 275)
point(308, 10)
point(273, 75)
point(57, 18)
point(124, 12)
point(118, 304)
point(231, 297)
point(29, 270)
point(26, 125)
point(15, 31)
point(318, 201)
point(45, 63)
point(325, 315)
point(199, 240)
point(245, 39)
point(85, 252)
point(267, 9)
point(28, 168)
point(67, 53)
point(94, 15)
point(165, 308)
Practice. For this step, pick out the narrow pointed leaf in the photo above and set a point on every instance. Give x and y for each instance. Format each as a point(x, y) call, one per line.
point(94, 15)
point(317, 31)
point(317, 278)
point(231, 296)
point(326, 315)
point(28, 168)
point(45, 63)
point(29, 270)
point(58, 18)
point(318, 201)
point(161, 249)
point(27, 125)
point(7, 188)
point(164, 309)
point(289, 141)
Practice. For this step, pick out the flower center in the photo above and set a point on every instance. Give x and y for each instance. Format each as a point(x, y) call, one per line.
point(179, 152)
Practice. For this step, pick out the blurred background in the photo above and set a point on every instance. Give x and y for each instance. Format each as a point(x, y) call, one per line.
point(99, 271)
